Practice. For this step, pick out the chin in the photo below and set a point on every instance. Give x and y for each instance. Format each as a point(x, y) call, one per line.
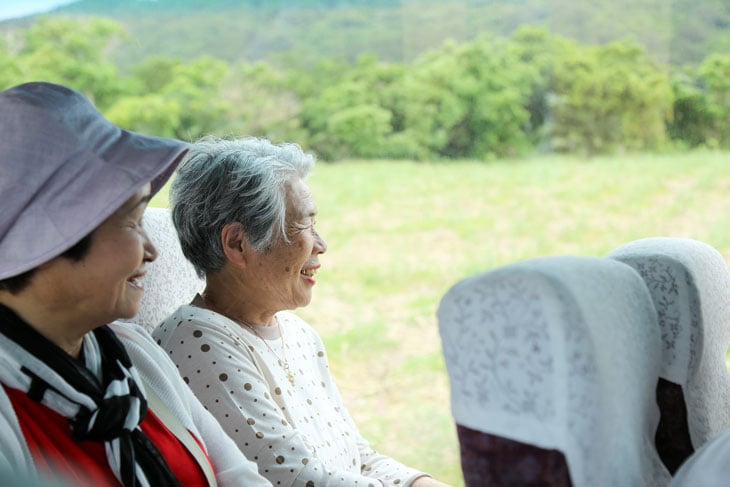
point(304, 302)
point(128, 312)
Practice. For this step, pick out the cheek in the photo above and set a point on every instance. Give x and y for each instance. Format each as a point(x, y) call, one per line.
point(130, 249)
point(299, 253)
point(124, 255)
point(290, 258)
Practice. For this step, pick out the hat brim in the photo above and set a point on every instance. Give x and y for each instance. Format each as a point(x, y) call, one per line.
point(78, 198)
point(64, 169)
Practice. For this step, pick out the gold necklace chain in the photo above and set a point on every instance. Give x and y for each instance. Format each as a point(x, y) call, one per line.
point(283, 363)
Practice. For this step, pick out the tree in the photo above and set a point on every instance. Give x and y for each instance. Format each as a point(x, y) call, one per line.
point(355, 116)
point(154, 73)
point(9, 69)
point(72, 52)
point(692, 119)
point(334, 118)
point(261, 102)
point(195, 87)
point(536, 48)
point(715, 73)
point(468, 100)
point(608, 97)
point(150, 114)
point(187, 96)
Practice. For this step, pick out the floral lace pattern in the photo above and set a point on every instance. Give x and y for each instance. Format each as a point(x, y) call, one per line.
point(171, 280)
point(675, 299)
point(690, 287)
point(555, 353)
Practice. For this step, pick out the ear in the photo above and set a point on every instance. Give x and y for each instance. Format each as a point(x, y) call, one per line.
point(235, 243)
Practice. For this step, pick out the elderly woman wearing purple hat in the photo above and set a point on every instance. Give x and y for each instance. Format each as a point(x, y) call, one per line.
point(84, 400)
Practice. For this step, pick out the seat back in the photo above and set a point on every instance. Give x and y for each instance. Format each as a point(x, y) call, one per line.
point(171, 280)
point(555, 353)
point(690, 286)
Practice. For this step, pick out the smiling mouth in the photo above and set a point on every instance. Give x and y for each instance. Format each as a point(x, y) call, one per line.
point(308, 272)
point(136, 281)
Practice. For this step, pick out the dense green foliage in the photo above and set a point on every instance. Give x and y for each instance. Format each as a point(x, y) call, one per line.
point(488, 97)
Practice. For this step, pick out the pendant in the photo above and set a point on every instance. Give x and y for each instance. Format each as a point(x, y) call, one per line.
point(289, 375)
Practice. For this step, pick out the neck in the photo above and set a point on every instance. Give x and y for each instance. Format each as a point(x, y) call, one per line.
point(227, 298)
point(57, 325)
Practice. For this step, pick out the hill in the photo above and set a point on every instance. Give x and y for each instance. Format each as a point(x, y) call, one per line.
point(678, 32)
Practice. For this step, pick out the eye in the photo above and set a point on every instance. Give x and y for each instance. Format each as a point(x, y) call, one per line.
point(304, 225)
point(136, 218)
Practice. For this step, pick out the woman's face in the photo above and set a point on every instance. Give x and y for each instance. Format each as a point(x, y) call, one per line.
point(105, 284)
point(285, 273)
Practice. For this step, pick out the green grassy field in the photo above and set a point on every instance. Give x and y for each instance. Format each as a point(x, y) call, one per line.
point(400, 234)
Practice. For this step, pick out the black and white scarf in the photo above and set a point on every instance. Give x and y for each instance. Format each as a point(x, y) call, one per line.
point(102, 400)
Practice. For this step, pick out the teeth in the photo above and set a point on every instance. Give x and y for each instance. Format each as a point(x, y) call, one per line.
point(308, 272)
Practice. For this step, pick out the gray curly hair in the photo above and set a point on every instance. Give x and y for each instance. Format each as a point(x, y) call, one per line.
point(233, 180)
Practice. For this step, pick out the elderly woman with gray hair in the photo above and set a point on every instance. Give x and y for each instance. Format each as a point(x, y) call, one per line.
point(246, 220)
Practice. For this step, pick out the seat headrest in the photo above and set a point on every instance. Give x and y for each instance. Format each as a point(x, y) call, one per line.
point(690, 286)
point(171, 280)
point(562, 353)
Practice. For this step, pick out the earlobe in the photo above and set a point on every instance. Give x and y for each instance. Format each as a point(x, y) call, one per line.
point(235, 243)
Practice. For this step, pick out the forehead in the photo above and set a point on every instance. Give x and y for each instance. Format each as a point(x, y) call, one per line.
point(137, 200)
point(299, 199)
point(133, 206)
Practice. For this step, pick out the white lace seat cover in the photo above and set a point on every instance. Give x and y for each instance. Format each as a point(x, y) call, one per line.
point(708, 467)
point(171, 280)
point(562, 353)
point(690, 286)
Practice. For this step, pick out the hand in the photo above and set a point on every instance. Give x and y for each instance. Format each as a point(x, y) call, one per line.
point(428, 482)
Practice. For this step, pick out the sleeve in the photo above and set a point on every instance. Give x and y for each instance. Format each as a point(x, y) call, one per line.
point(14, 453)
point(383, 468)
point(232, 387)
point(231, 467)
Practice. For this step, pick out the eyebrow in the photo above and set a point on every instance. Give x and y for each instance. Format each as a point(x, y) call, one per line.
point(144, 199)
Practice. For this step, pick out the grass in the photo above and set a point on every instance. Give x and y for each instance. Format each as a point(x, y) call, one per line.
point(401, 233)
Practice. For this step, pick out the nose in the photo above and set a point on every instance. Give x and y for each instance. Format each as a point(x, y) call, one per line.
point(320, 246)
point(150, 251)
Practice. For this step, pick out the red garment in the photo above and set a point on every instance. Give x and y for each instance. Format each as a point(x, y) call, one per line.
point(84, 463)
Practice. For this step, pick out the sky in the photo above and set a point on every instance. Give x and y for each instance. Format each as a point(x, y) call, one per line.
point(18, 8)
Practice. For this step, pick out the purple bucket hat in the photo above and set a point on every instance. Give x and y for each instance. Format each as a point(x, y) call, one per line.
point(64, 169)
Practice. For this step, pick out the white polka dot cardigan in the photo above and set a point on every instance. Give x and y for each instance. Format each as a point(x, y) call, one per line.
point(299, 435)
